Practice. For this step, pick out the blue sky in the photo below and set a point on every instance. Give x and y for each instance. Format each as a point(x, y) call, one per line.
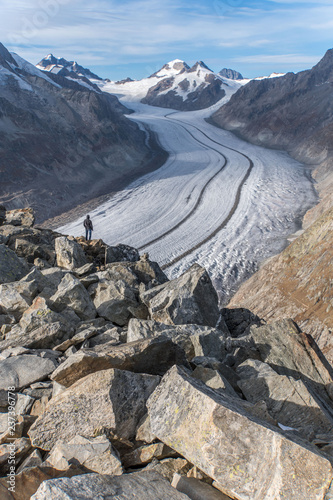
point(134, 38)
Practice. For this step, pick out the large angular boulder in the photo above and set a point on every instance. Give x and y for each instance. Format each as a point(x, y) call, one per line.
point(153, 356)
point(20, 217)
point(21, 371)
point(16, 297)
point(247, 457)
point(147, 485)
point(113, 400)
point(95, 454)
point(196, 340)
point(288, 400)
point(293, 353)
point(71, 293)
point(191, 298)
point(11, 267)
point(46, 336)
point(114, 300)
point(121, 253)
point(69, 253)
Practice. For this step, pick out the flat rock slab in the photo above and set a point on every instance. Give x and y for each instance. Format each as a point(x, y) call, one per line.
point(11, 267)
point(153, 356)
point(147, 485)
point(113, 400)
point(248, 458)
point(21, 371)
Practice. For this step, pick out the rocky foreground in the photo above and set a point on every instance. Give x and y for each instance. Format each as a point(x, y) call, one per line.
point(117, 383)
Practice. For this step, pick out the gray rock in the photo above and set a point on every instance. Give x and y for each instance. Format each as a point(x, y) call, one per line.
point(143, 433)
point(147, 485)
point(153, 356)
point(168, 467)
point(16, 297)
point(2, 214)
point(191, 298)
point(196, 340)
point(288, 400)
point(214, 380)
point(20, 217)
point(197, 490)
point(113, 300)
point(19, 449)
point(72, 294)
point(21, 371)
point(293, 353)
point(23, 404)
point(121, 253)
point(250, 459)
point(113, 400)
point(11, 267)
point(145, 454)
point(95, 454)
point(47, 336)
point(78, 338)
point(69, 253)
point(33, 460)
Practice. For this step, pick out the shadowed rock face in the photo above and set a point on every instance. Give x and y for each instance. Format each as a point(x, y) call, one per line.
point(231, 73)
point(61, 143)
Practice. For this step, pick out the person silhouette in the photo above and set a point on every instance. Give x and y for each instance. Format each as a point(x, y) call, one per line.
point(88, 227)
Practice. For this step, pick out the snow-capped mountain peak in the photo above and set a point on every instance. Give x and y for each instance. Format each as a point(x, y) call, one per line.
point(171, 68)
point(61, 66)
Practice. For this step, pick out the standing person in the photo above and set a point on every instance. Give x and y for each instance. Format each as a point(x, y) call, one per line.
point(88, 226)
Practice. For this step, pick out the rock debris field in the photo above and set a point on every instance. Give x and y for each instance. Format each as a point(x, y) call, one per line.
point(116, 382)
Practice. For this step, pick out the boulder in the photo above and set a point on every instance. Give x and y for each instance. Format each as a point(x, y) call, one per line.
point(113, 300)
point(95, 454)
point(78, 338)
point(11, 267)
point(20, 217)
point(21, 371)
point(71, 293)
point(197, 490)
point(191, 298)
point(213, 379)
point(46, 336)
point(147, 485)
point(113, 400)
point(33, 460)
point(152, 356)
point(29, 479)
point(196, 340)
point(121, 253)
point(168, 467)
point(288, 400)
point(240, 320)
point(16, 297)
point(17, 450)
point(69, 253)
point(293, 353)
point(145, 454)
point(246, 456)
point(30, 251)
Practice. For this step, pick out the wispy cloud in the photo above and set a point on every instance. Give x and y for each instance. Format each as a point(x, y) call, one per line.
point(113, 32)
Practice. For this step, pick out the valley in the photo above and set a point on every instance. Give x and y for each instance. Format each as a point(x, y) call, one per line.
point(218, 200)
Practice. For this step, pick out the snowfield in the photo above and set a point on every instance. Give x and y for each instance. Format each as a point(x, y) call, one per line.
point(218, 200)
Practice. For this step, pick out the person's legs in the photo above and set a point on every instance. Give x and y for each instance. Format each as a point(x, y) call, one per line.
point(87, 234)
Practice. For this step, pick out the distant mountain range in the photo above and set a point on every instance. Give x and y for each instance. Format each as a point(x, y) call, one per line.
point(63, 141)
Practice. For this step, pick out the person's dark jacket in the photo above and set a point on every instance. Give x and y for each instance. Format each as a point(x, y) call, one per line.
point(88, 224)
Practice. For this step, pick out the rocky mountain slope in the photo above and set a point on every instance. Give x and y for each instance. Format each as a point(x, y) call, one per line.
point(126, 384)
point(185, 89)
point(61, 66)
point(231, 74)
point(293, 112)
point(63, 143)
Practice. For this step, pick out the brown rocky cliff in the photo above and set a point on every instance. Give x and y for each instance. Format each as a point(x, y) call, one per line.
point(298, 283)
